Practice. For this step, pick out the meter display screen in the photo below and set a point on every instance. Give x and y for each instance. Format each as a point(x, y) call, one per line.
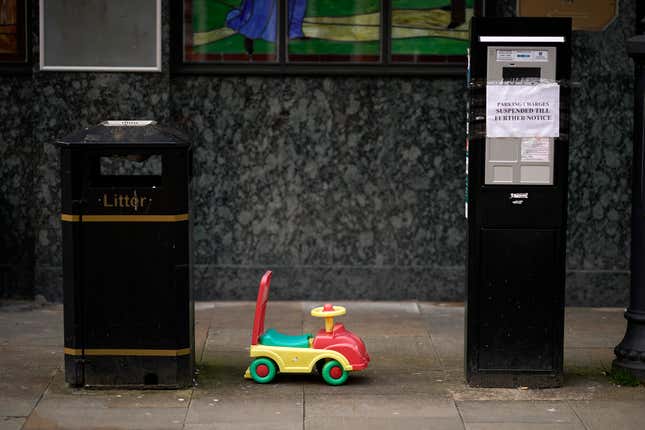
point(517, 73)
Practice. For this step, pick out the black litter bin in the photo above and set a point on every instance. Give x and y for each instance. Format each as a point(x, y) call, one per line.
point(126, 256)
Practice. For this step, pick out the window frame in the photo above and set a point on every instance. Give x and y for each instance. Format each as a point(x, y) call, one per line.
point(23, 63)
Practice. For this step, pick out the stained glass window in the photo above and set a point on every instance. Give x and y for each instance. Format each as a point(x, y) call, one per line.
point(429, 30)
point(12, 31)
point(230, 30)
point(334, 30)
point(371, 33)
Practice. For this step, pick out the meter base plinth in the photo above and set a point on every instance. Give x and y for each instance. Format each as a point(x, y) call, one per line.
point(515, 380)
point(130, 372)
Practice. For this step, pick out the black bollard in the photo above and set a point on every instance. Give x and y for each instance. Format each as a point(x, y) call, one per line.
point(630, 352)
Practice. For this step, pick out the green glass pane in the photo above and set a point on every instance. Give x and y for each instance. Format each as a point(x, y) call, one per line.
point(426, 4)
point(221, 30)
point(341, 7)
point(436, 45)
point(424, 29)
point(334, 30)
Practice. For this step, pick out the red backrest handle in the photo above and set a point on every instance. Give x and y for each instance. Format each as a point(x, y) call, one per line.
point(261, 307)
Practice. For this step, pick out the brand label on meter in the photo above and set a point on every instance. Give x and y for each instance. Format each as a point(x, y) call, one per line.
point(528, 56)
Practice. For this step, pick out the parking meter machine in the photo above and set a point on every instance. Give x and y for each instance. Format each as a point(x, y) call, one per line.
point(519, 70)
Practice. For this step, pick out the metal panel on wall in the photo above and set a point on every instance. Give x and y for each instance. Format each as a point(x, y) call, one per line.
point(94, 35)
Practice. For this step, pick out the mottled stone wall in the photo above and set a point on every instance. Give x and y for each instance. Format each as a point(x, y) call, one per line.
point(598, 239)
point(17, 201)
point(347, 187)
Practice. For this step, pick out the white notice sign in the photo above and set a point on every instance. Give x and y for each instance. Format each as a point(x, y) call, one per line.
point(523, 110)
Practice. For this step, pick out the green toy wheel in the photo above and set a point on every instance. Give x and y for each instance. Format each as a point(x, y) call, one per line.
point(333, 373)
point(263, 370)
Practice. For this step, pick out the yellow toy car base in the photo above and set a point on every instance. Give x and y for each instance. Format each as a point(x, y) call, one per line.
point(296, 360)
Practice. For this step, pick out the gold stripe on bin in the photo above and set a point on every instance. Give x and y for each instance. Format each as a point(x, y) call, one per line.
point(130, 352)
point(125, 218)
point(70, 218)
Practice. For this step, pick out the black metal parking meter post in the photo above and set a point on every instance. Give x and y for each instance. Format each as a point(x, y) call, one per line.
point(517, 201)
point(630, 352)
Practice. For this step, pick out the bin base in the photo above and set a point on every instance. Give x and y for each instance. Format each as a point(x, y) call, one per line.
point(129, 372)
point(515, 380)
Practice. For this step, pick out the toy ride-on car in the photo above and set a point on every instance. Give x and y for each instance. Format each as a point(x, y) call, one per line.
point(333, 352)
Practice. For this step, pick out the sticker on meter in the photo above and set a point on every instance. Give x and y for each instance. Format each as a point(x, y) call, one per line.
point(536, 149)
point(528, 56)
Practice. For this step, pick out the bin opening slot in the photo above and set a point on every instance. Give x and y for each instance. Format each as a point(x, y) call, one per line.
point(134, 169)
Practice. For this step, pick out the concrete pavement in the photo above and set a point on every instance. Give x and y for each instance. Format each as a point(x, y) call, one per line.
point(415, 379)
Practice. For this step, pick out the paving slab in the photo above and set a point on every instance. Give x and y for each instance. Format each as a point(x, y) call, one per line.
point(445, 325)
point(524, 426)
point(383, 406)
point(231, 314)
point(221, 367)
point(222, 374)
point(588, 357)
point(518, 412)
point(204, 311)
point(449, 349)
point(30, 357)
point(227, 339)
point(371, 381)
point(63, 407)
point(611, 414)
point(388, 345)
point(445, 319)
point(380, 412)
point(452, 364)
point(243, 412)
point(20, 390)
point(201, 334)
point(593, 327)
point(421, 363)
point(382, 423)
point(11, 423)
point(249, 390)
point(38, 327)
point(441, 310)
point(414, 353)
point(257, 425)
point(576, 387)
point(66, 414)
point(118, 397)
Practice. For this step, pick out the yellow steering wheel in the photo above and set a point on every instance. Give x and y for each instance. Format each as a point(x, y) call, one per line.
point(328, 312)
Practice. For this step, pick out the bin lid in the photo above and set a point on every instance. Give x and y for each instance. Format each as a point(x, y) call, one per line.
point(126, 132)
